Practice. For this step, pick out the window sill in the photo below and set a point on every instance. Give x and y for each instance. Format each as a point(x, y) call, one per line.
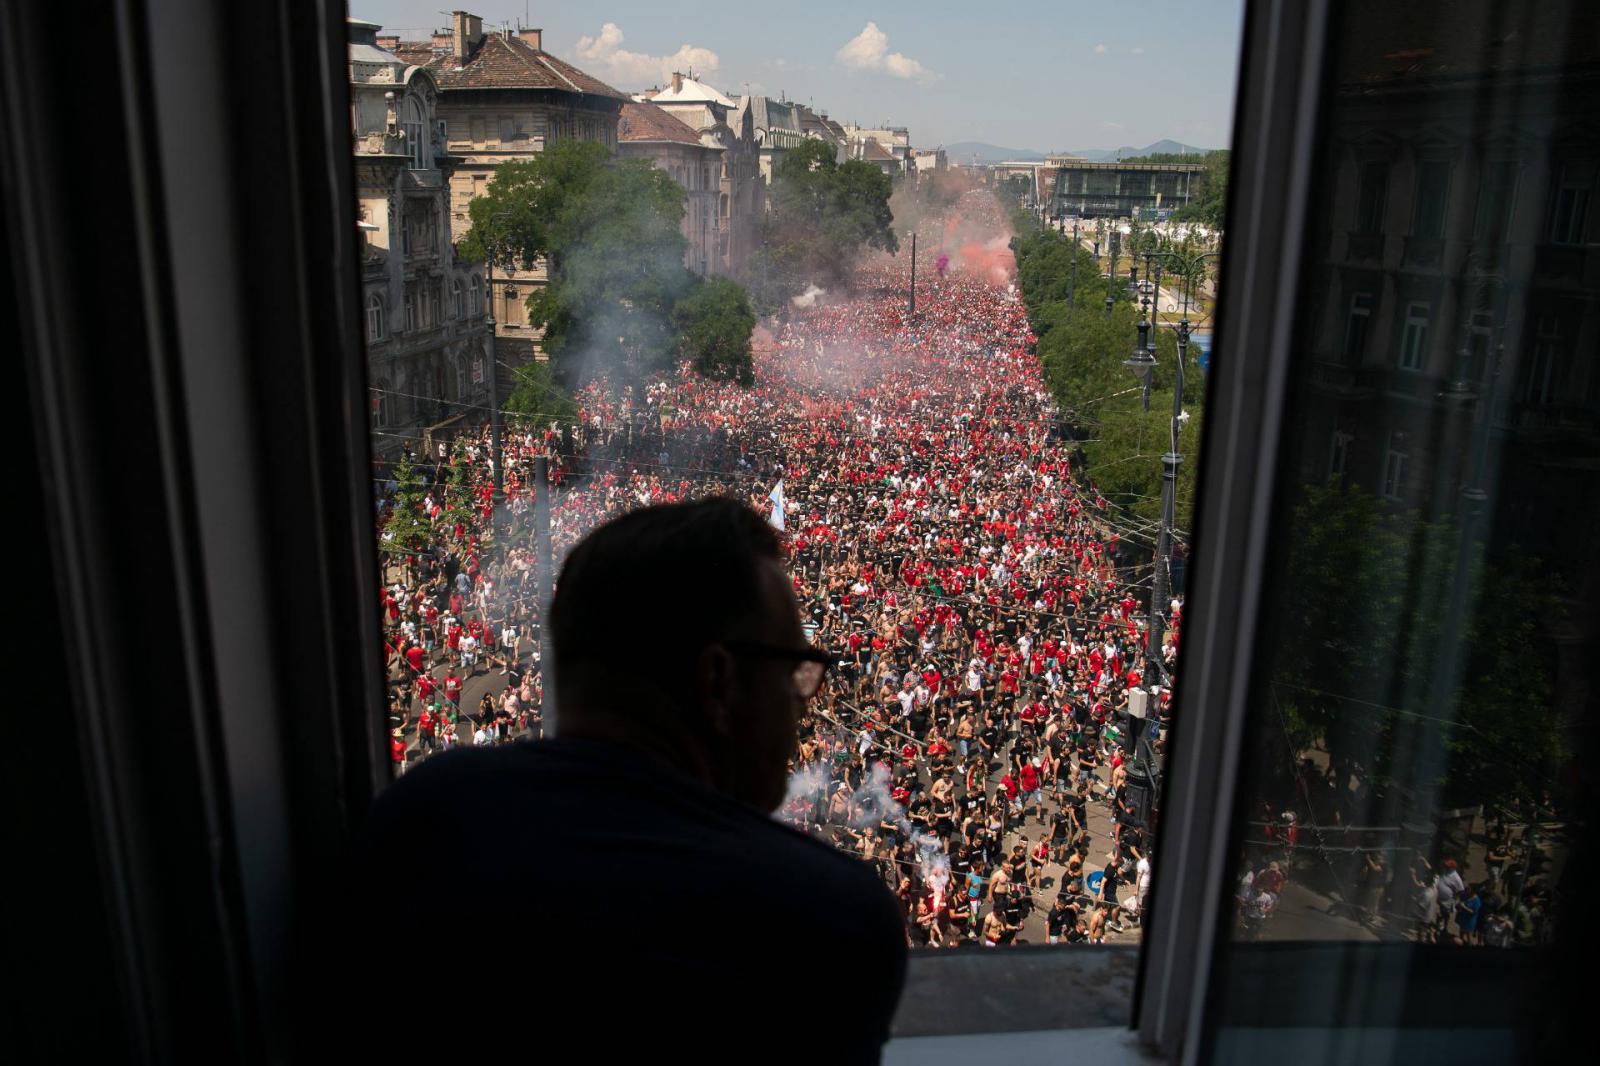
point(1017, 990)
point(1104, 1046)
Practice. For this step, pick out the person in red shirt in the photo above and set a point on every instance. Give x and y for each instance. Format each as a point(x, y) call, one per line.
point(397, 751)
point(452, 688)
point(414, 658)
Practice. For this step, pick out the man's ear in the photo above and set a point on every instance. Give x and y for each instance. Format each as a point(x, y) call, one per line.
point(716, 686)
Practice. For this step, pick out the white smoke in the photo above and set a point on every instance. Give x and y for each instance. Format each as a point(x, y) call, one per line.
point(871, 804)
point(809, 297)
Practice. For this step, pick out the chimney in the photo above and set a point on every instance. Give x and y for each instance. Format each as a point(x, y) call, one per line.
point(466, 32)
point(677, 82)
point(533, 37)
point(441, 42)
point(389, 41)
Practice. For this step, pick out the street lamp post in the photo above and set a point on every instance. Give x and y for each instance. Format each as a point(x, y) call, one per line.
point(912, 313)
point(1072, 290)
point(496, 450)
point(1111, 272)
point(1142, 362)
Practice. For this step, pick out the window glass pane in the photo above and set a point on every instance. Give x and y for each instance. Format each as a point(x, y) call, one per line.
point(1407, 811)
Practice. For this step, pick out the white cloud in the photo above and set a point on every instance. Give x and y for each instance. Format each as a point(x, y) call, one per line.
point(1099, 49)
point(869, 50)
point(605, 56)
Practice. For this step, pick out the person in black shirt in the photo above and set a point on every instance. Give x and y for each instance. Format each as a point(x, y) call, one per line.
point(672, 753)
point(1061, 918)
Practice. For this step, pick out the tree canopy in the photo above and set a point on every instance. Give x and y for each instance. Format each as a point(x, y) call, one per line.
point(714, 323)
point(824, 214)
point(607, 231)
point(1081, 349)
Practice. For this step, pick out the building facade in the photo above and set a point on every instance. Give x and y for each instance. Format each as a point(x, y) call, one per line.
point(1121, 190)
point(774, 125)
point(423, 310)
point(647, 132)
point(503, 98)
point(741, 196)
point(1418, 322)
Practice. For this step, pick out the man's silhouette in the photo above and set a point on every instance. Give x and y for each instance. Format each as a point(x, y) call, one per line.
point(623, 887)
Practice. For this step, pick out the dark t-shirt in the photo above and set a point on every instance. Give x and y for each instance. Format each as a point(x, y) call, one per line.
point(747, 917)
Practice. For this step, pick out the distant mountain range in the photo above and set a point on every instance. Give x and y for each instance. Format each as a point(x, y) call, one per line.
point(965, 151)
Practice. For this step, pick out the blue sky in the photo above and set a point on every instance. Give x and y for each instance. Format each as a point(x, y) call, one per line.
point(1037, 74)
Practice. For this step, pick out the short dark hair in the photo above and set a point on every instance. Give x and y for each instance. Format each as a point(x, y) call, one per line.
point(678, 575)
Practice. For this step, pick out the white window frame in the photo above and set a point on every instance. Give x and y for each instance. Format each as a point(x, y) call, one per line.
point(411, 311)
point(1578, 179)
point(1414, 336)
point(374, 318)
point(477, 295)
point(1395, 461)
point(1545, 360)
point(458, 299)
point(1339, 453)
point(1357, 310)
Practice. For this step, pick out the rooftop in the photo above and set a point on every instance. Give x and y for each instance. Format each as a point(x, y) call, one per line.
point(687, 90)
point(502, 61)
point(642, 121)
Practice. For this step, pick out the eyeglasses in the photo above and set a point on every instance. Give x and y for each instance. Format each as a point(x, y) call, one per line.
point(811, 664)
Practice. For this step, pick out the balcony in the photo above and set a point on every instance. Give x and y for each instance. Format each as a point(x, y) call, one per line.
point(1564, 262)
point(1424, 253)
point(1365, 248)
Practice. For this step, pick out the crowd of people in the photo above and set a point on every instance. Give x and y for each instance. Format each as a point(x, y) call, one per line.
point(976, 741)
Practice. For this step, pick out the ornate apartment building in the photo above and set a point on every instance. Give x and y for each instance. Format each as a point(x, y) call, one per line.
point(719, 125)
point(647, 132)
point(423, 310)
point(503, 98)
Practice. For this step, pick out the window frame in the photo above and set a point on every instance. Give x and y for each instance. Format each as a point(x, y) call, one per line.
point(375, 318)
point(1414, 358)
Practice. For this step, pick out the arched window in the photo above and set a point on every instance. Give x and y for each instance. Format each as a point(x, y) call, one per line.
point(382, 409)
point(374, 318)
point(477, 295)
point(458, 299)
point(416, 131)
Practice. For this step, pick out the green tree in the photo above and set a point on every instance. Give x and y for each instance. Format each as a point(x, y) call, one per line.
point(407, 527)
point(824, 214)
point(538, 397)
point(607, 231)
point(1081, 350)
point(714, 324)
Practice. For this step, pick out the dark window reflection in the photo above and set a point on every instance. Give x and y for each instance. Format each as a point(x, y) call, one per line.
point(1413, 739)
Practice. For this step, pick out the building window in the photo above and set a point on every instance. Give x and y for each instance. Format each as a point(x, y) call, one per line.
point(382, 408)
point(458, 299)
point(513, 309)
point(1371, 197)
point(1414, 337)
point(1394, 467)
point(411, 311)
point(1544, 367)
point(1569, 203)
point(1355, 329)
point(405, 237)
point(416, 133)
point(1433, 194)
point(1497, 192)
point(1339, 454)
point(476, 125)
point(477, 295)
point(374, 318)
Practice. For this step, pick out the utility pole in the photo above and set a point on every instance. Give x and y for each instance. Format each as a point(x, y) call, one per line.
point(1072, 291)
point(542, 568)
point(1111, 272)
point(913, 311)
